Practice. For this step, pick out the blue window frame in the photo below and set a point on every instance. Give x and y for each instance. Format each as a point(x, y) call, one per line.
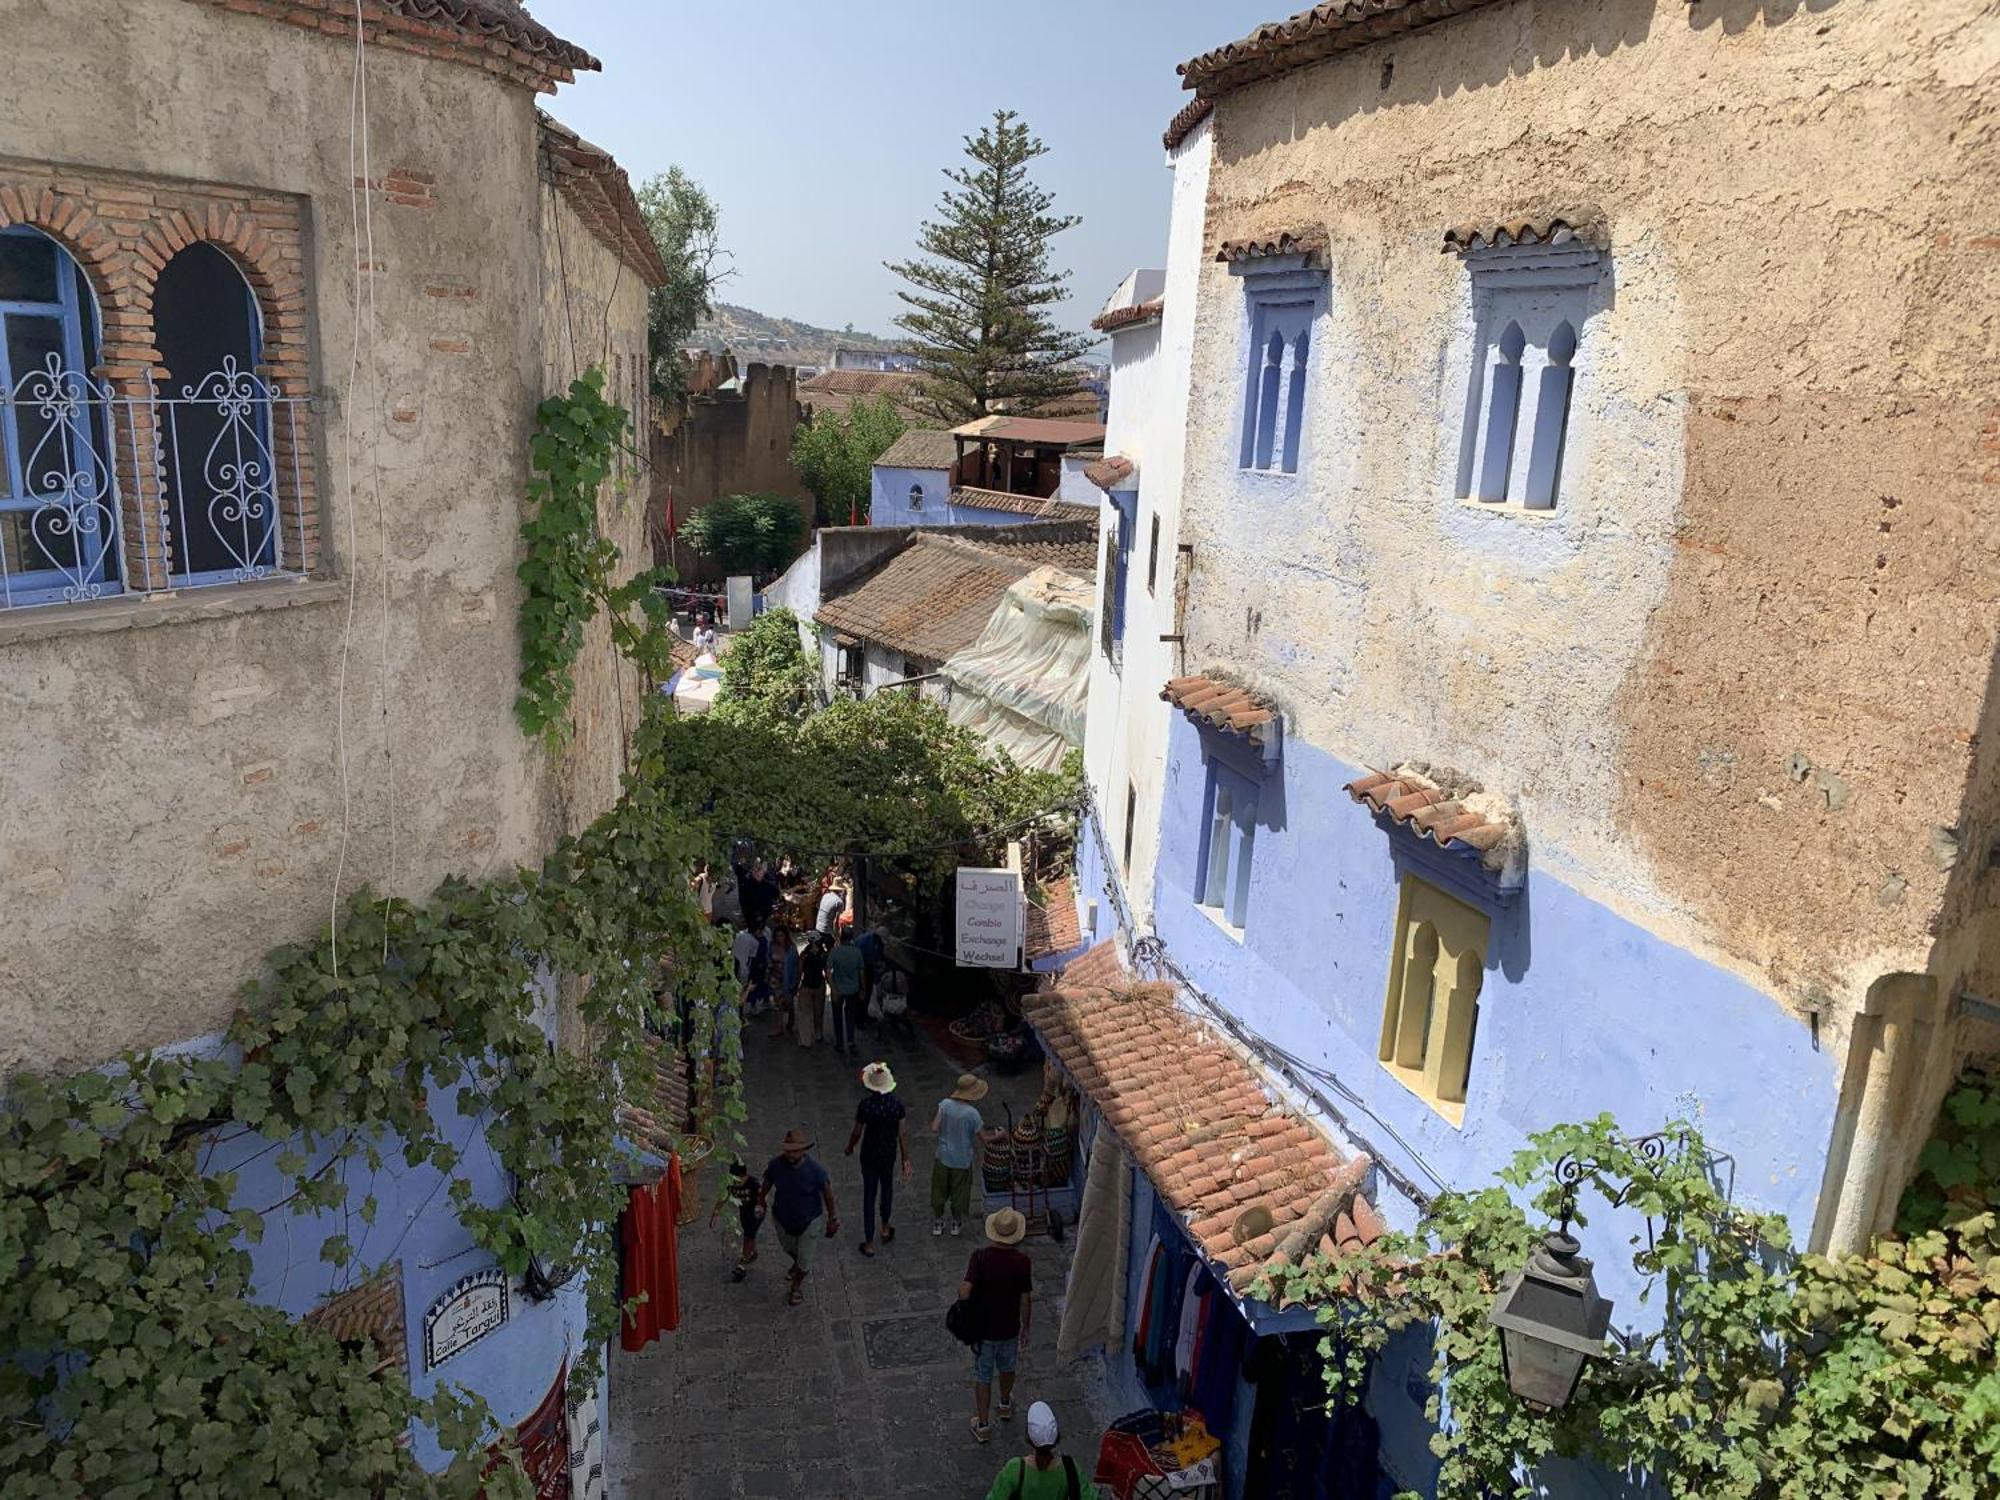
point(1128, 528)
point(1228, 838)
point(59, 527)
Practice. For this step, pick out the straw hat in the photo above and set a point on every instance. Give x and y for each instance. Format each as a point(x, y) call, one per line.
point(795, 1140)
point(970, 1088)
point(877, 1079)
point(1006, 1227)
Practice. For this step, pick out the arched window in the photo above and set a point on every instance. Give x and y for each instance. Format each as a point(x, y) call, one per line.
point(59, 523)
point(1409, 1036)
point(1268, 386)
point(916, 497)
point(1503, 411)
point(221, 490)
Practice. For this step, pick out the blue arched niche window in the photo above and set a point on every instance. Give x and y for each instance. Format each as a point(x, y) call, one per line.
point(59, 523)
point(220, 491)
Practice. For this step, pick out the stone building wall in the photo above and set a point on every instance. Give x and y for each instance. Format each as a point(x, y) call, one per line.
point(188, 776)
point(1739, 677)
point(734, 442)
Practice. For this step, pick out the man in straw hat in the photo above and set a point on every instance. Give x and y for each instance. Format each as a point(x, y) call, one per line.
point(795, 1189)
point(882, 1136)
point(956, 1125)
point(999, 1283)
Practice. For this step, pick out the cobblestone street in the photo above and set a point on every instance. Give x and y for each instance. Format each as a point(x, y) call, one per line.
point(860, 1393)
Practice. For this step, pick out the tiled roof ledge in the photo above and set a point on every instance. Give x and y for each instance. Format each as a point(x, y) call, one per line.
point(1453, 811)
point(1214, 700)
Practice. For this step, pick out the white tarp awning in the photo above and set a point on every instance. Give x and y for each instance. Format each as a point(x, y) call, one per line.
point(1025, 683)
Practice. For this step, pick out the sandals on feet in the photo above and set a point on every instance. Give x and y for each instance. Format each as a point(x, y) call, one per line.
point(867, 1248)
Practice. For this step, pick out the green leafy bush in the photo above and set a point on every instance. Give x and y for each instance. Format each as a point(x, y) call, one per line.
point(754, 534)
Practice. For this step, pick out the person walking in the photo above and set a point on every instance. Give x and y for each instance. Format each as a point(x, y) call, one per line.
point(784, 976)
point(812, 990)
point(883, 1137)
point(795, 1190)
point(1044, 1474)
point(999, 1283)
point(956, 1126)
point(847, 969)
point(743, 1193)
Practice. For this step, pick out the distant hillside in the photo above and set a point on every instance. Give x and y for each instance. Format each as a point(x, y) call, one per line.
point(751, 335)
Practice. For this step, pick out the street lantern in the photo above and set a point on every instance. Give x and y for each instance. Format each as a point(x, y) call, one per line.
point(1551, 1320)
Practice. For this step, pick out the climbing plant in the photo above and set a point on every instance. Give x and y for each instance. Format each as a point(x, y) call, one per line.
point(1765, 1374)
point(766, 675)
point(569, 572)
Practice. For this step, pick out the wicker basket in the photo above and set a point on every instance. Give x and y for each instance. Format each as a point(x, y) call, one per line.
point(694, 1151)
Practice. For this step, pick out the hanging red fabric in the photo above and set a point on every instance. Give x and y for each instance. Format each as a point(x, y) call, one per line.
point(652, 1259)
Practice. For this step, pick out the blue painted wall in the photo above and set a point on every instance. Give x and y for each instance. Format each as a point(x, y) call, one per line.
point(889, 497)
point(1580, 1012)
point(415, 1224)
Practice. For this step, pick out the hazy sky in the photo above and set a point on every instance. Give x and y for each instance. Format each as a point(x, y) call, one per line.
point(821, 129)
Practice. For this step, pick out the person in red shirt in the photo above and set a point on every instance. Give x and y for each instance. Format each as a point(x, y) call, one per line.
point(999, 1283)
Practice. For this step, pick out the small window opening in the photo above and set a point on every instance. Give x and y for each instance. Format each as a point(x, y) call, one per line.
point(1503, 410)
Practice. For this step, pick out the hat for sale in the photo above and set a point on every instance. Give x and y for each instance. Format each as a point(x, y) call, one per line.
point(1006, 1227)
point(971, 1088)
point(1042, 1429)
point(877, 1078)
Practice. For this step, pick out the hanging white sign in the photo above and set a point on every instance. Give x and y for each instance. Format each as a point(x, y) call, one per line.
point(989, 919)
point(474, 1306)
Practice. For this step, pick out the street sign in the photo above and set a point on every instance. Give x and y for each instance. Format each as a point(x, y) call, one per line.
point(475, 1306)
point(989, 919)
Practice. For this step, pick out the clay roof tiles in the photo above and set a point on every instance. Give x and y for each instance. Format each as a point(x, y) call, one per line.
point(1070, 545)
point(1221, 705)
point(928, 600)
point(1129, 317)
point(598, 191)
point(1052, 924)
point(1332, 27)
point(1311, 243)
point(1182, 125)
point(371, 1312)
point(1052, 432)
point(1197, 1120)
point(1109, 473)
point(1041, 507)
point(1098, 968)
point(919, 448)
point(839, 390)
point(498, 35)
point(1546, 231)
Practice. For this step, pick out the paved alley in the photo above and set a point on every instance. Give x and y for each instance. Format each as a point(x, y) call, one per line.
point(859, 1394)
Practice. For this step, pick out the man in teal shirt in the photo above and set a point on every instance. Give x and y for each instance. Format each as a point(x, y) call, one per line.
point(847, 968)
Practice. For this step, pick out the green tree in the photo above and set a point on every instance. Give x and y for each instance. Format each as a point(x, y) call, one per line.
point(835, 455)
point(982, 286)
point(766, 675)
point(685, 225)
point(755, 534)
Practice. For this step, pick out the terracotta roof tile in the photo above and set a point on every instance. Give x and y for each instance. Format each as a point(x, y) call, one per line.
point(928, 600)
point(1311, 243)
point(1041, 507)
point(1546, 231)
point(919, 448)
point(1182, 125)
point(1070, 545)
point(1448, 811)
point(1331, 27)
point(1221, 705)
point(655, 1114)
point(1129, 317)
point(371, 1312)
point(598, 191)
point(1109, 473)
point(1052, 925)
point(838, 390)
point(1098, 968)
point(1195, 1117)
point(1052, 432)
point(520, 45)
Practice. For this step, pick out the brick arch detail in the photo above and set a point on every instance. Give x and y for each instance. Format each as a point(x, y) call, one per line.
point(121, 303)
point(280, 298)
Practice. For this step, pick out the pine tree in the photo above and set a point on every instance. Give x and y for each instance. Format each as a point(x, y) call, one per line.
point(982, 287)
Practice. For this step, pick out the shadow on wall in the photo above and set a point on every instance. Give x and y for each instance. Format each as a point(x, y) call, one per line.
point(1564, 29)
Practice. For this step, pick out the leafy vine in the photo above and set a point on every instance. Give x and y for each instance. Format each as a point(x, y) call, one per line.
point(1768, 1375)
point(570, 571)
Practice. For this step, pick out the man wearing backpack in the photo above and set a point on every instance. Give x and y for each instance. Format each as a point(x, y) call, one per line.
point(999, 1285)
point(1044, 1474)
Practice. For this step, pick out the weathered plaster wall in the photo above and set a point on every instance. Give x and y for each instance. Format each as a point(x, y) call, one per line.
point(1147, 423)
point(177, 797)
point(1735, 678)
point(593, 312)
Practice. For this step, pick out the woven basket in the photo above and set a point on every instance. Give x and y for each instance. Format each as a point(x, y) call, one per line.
point(694, 1151)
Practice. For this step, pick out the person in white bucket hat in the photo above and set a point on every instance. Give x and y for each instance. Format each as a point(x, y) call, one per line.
point(1044, 1474)
point(882, 1137)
